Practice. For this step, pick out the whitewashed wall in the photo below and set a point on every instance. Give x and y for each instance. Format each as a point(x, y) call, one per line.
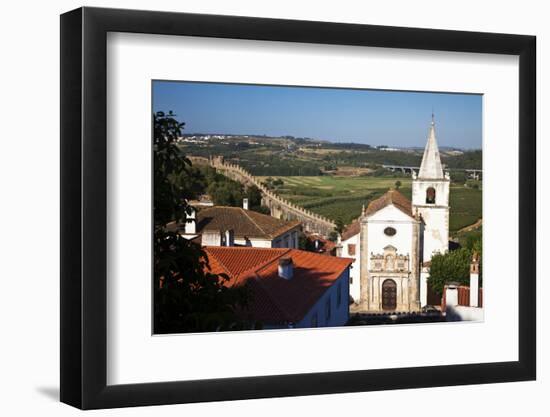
point(419, 188)
point(436, 216)
point(436, 230)
point(255, 243)
point(390, 216)
point(287, 240)
point(355, 269)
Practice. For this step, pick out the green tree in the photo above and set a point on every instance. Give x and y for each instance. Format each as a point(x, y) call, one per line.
point(187, 298)
point(189, 183)
point(333, 236)
point(458, 177)
point(397, 184)
point(262, 210)
point(452, 266)
point(226, 193)
point(304, 243)
point(254, 196)
point(339, 225)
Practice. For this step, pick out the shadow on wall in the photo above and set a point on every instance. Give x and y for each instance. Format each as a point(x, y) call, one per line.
point(463, 313)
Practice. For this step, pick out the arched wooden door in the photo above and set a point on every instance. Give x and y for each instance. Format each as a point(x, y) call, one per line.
point(389, 295)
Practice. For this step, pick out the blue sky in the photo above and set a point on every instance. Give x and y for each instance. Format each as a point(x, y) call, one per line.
point(392, 118)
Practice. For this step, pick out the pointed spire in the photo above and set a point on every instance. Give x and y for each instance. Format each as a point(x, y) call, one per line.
point(431, 161)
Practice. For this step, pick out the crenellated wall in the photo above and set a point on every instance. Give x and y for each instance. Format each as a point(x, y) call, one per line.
point(279, 207)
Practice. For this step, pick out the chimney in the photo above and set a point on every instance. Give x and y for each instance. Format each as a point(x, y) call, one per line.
point(451, 294)
point(228, 238)
point(474, 280)
point(190, 222)
point(245, 203)
point(286, 267)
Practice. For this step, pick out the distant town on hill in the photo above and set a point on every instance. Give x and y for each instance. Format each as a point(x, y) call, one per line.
point(264, 155)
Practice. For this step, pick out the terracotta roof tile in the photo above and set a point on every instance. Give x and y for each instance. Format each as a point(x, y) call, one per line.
point(275, 299)
point(243, 222)
point(390, 197)
point(352, 229)
point(237, 260)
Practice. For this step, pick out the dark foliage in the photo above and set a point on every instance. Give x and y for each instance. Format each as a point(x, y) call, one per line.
point(454, 266)
point(187, 298)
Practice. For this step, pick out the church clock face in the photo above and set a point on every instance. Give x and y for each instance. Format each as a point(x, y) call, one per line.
point(390, 231)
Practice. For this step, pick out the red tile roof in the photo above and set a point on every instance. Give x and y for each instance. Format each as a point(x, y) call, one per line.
point(237, 260)
point(352, 229)
point(275, 299)
point(244, 223)
point(325, 246)
point(390, 197)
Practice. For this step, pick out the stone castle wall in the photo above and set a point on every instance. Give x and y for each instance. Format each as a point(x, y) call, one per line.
point(279, 207)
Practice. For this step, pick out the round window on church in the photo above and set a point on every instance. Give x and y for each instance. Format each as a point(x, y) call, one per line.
point(389, 231)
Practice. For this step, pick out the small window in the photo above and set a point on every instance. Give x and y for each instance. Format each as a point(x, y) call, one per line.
point(390, 231)
point(430, 195)
point(351, 249)
point(328, 310)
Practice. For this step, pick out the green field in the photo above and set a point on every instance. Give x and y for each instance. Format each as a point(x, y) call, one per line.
point(466, 204)
point(342, 197)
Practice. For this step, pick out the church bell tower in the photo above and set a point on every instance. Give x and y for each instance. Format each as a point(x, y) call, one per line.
point(430, 199)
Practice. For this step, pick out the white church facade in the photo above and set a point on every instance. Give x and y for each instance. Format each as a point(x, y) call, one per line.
point(395, 238)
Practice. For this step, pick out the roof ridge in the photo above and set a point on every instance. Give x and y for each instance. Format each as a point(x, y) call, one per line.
point(266, 263)
point(218, 261)
point(255, 268)
point(288, 224)
point(392, 196)
point(260, 282)
point(254, 222)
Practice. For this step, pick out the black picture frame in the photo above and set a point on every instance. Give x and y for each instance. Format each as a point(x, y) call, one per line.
point(84, 207)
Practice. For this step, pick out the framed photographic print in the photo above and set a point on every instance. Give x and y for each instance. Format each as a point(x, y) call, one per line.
point(258, 207)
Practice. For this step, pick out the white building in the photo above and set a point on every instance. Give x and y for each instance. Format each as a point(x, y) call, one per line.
point(390, 254)
point(430, 194)
point(235, 226)
point(394, 239)
point(290, 288)
point(349, 248)
point(430, 197)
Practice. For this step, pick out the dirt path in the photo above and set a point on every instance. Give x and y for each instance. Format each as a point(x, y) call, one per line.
point(471, 227)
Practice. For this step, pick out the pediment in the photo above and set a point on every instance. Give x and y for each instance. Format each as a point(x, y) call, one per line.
point(390, 213)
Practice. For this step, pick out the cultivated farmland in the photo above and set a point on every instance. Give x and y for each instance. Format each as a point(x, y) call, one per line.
point(338, 197)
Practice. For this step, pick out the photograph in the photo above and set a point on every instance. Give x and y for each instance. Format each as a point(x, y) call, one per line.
point(268, 209)
point(286, 207)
